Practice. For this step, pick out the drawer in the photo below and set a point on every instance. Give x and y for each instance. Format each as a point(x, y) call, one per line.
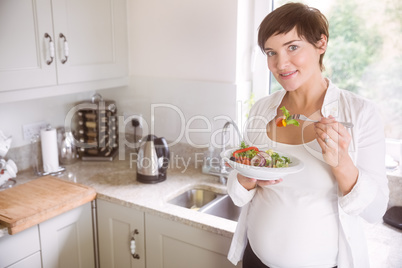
point(32, 261)
point(14, 248)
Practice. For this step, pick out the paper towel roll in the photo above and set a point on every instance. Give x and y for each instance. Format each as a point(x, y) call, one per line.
point(50, 155)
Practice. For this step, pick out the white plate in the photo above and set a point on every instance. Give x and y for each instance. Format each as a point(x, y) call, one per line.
point(264, 173)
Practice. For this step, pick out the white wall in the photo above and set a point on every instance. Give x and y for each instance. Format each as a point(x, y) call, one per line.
point(183, 39)
point(177, 106)
point(184, 56)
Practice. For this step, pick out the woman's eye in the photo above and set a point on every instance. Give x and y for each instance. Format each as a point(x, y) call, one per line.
point(270, 53)
point(293, 47)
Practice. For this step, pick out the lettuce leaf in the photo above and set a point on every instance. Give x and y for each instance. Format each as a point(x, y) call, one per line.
point(288, 119)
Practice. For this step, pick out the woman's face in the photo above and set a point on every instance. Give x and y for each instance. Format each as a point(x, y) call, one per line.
point(293, 61)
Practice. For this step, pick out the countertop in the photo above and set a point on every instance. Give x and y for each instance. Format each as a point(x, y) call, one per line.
point(116, 182)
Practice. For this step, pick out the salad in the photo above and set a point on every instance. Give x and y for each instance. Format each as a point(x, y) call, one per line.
point(286, 119)
point(250, 155)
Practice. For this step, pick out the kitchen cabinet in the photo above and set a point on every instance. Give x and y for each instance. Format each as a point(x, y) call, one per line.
point(90, 47)
point(32, 261)
point(21, 249)
point(118, 228)
point(62, 241)
point(67, 239)
point(171, 244)
point(158, 242)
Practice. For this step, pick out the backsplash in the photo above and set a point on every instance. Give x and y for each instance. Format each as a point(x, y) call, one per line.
point(22, 156)
point(182, 155)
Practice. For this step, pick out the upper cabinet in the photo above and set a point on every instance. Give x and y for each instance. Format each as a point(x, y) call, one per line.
point(54, 47)
point(96, 34)
point(24, 47)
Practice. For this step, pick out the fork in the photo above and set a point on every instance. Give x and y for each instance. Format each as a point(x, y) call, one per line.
point(305, 118)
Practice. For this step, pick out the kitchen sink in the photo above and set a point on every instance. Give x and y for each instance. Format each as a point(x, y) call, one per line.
point(194, 198)
point(223, 207)
point(208, 202)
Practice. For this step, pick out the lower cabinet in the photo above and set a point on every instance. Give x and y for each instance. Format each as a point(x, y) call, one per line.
point(67, 239)
point(119, 229)
point(63, 241)
point(159, 242)
point(21, 249)
point(32, 261)
point(124, 236)
point(172, 244)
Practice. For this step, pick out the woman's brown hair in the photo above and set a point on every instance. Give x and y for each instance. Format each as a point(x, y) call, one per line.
point(310, 24)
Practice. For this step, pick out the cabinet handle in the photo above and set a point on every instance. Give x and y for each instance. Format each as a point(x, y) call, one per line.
point(65, 48)
point(51, 49)
point(133, 246)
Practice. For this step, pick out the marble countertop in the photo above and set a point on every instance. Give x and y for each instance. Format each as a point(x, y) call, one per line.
point(116, 182)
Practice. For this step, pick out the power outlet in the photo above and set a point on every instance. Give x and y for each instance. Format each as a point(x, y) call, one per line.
point(30, 130)
point(132, 116)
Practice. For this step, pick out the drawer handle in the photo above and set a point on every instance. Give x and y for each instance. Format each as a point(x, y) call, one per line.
point(65, 48)
point(133, 246)
point(51, 49)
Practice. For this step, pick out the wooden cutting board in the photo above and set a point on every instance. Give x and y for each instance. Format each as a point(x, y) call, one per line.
point(33, 202)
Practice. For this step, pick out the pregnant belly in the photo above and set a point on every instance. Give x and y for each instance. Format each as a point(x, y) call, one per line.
point(293, 234)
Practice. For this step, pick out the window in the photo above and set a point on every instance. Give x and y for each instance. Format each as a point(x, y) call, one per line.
point(364, 53)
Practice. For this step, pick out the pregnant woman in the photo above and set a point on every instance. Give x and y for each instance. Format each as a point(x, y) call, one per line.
point(311, 218)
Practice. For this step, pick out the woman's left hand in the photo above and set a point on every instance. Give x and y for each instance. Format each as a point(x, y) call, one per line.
point(334, 140)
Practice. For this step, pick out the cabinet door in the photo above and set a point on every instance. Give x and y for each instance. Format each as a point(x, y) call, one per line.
point(20, 249)
point(116, 226)
point(32, 261)
point(96, 34)
point(24, 49)
point(67, 240)
point(172, 244)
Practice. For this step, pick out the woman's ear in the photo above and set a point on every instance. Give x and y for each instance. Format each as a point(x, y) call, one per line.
point(322, 43)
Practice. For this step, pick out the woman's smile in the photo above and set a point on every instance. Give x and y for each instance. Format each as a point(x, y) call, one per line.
point(288, 75)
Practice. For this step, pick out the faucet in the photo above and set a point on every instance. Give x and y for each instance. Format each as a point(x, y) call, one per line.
point(225, 127)
point(221, 170)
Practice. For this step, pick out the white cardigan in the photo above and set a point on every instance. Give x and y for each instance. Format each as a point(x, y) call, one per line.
point(369, 197)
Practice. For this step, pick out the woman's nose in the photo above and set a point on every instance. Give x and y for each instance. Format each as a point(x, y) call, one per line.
point(282, 61)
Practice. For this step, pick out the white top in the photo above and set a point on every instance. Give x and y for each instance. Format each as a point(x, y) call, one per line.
point(295, 223)
point(369, 197)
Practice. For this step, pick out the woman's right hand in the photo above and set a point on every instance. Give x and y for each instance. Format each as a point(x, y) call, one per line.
point(250, 183)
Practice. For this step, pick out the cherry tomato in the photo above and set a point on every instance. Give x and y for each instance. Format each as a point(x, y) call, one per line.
point(246, 161)
point(280, 122)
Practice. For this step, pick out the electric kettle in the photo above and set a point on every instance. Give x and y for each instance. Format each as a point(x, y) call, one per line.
point(153, 160)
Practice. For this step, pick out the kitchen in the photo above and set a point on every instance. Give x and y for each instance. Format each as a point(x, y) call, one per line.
point(182, 65)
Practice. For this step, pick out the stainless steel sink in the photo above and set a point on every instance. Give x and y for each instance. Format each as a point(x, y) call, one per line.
point(223, 207)
point(209, 202)
point(194, 198)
